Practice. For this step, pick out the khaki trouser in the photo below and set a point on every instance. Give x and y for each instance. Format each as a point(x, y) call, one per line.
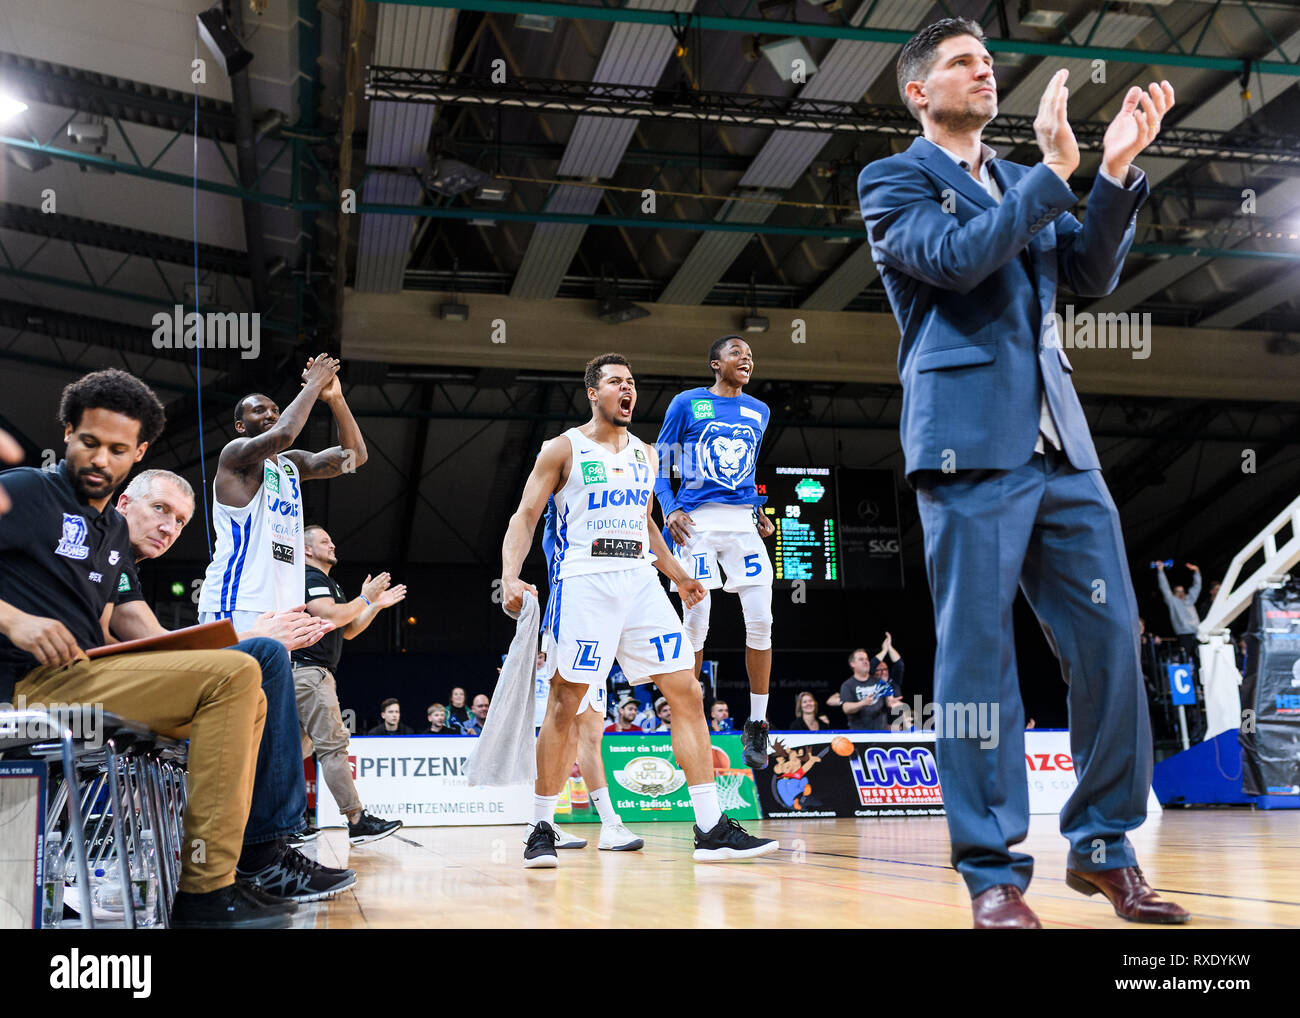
point(212, 697)
point(323, 730)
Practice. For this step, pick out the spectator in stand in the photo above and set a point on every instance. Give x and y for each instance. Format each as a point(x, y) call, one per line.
point(1147, 647)
point(807, 714)
point(869, 696)
point(457, 712)
point(478, 714)
point(391, 713)
point(626, 720)
point(438, 720)
point(663, 717)
point(720, 717)
point(1182, 610)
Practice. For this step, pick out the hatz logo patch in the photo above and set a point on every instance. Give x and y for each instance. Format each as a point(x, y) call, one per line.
point(727, 452)
point(73, 542)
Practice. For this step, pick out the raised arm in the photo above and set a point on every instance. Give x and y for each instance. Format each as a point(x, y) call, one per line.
point(547, 475)
point(344, 458)
point(244, 453)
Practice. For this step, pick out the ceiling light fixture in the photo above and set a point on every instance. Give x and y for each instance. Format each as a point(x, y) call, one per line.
point(221, 40)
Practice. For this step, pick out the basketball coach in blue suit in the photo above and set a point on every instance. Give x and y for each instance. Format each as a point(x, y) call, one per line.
point(970, 249)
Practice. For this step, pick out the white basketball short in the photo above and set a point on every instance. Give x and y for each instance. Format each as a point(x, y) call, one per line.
point(597, 617)
point(741, 554)
point(242, 621)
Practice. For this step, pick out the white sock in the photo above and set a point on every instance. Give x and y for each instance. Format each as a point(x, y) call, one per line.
point(757, 706)
point(604, 806)
point(705, 800)
point(544, 808)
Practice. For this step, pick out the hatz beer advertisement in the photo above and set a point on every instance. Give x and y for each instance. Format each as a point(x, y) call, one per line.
point(646, 783)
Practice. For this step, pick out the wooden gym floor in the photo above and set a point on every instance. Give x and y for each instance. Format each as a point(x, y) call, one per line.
point(1232, 868)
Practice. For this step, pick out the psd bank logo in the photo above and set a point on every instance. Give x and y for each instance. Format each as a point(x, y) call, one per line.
point(896, 775)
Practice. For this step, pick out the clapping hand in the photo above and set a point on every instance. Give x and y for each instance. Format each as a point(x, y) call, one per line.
point(1135, 126)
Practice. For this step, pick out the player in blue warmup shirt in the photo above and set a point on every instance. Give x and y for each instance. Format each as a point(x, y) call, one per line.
point(714, 522)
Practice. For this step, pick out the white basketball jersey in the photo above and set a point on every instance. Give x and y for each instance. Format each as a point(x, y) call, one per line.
point(600, 513)
point(258, 564)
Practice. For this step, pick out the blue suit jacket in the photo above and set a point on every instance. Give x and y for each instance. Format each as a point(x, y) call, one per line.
point(970, 288)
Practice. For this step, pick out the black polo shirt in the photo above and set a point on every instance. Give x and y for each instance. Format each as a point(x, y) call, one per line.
point(59, 559)
point(326, 651)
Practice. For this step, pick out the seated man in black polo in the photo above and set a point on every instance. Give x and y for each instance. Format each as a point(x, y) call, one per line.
point(63, 551)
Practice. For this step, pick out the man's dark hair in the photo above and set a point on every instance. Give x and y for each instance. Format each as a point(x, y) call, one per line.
point(115, 390)
point(390, 702)
point(917, 57)
point(720, 344)
point(856, 650)
point(239, 407)
point(591, 376)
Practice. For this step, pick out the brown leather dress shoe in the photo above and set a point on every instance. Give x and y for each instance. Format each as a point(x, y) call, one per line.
point(1003, 908)
point(1129, 893)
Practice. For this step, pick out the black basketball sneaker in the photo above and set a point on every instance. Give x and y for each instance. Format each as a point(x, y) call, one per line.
point(729, 842)
point(539, 849)
point(756, 745)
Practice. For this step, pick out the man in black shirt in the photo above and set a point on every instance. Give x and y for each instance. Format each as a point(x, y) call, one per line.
point(870, 695)
point(313, 678)
point(63, 550)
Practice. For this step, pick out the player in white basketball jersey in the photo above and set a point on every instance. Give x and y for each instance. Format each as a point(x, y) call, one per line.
point(257, 565)
point(606, 602)
point(715, 520)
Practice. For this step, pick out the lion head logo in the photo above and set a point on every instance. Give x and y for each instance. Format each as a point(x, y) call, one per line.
point(726, 453)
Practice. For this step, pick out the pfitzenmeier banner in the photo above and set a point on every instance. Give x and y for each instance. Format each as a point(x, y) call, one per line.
point(420, 780)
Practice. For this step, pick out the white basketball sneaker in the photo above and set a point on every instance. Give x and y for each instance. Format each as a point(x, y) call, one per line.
point(563, 839)
point(617, 838)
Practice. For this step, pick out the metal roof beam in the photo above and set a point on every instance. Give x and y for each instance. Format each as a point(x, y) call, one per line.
point(751, 26)
point(141, 243)
point(133, 101)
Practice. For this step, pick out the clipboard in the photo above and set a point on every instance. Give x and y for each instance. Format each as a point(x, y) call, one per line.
point(206, 636)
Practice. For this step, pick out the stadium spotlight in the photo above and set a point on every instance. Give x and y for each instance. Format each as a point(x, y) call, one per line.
point(10, 107)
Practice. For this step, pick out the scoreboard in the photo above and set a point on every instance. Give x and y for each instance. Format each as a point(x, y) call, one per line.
point(801, 503)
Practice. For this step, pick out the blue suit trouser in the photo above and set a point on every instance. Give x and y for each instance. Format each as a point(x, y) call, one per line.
point(279, 788)
point(1053, 532)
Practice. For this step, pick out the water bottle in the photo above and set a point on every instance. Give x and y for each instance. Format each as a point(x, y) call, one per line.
point(144, 878)
point(105, 890)
point(52, 903)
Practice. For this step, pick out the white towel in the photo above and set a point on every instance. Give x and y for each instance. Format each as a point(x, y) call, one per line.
point(506, 752)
